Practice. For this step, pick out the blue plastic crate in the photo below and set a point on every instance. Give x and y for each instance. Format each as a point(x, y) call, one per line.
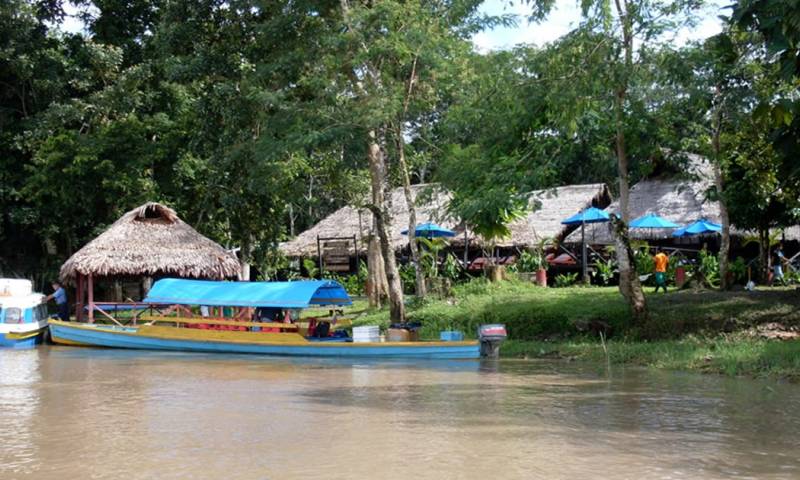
point(451, 336)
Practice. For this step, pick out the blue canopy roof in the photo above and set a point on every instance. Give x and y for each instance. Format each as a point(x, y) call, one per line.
point(299, 294)
point(590, 215)
point(651, 220)
point(430, 230)
point(697, 228)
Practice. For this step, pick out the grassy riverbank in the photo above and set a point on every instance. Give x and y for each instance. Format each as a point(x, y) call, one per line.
point(728, 355)
point(700, 331)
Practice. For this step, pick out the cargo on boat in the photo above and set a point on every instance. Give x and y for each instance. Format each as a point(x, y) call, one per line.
point(248, 317)
point(23, 314)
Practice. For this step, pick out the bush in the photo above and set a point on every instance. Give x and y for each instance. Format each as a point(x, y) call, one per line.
point(605, 271)
point(408, 277)
point(565, 279)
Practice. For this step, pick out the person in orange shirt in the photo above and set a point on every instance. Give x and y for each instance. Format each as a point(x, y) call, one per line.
point(661, 260)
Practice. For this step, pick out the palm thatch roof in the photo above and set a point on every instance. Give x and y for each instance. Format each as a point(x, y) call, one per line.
point(151, 240)
point(543, 219)
point(681, 200)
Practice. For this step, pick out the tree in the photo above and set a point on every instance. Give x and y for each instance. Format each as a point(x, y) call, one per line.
point(714, 84)
point(623, 35)
point(776, 23)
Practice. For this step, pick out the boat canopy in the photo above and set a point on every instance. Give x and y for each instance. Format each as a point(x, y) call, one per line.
point(298, 294)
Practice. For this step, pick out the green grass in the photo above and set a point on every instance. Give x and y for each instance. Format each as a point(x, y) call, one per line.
point(728, 355)
point(534, 313)
point(700, 331)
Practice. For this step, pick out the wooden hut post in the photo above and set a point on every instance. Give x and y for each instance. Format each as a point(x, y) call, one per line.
point(466, 247)
point(79, 299)
point(90, 288)
point(584, 266)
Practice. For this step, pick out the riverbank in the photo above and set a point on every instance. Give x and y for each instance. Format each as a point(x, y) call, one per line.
point(732, 333)
point(727, 355)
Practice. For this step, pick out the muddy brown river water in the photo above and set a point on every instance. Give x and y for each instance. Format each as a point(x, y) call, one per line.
point(72, 413)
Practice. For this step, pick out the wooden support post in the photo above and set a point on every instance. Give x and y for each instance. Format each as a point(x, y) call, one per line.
point(90, 292)
point(79, 298)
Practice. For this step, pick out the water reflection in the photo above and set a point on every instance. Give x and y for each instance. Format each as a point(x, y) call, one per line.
point(114, 414)
point(19, 402)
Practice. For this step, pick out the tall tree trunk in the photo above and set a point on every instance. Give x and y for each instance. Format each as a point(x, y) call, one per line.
point(244, 263)
point(377, 285)
point(636, 300)
point(725, 243)
point(377, 172)
point(763, 253)
point(629, 284)
point(412, 213)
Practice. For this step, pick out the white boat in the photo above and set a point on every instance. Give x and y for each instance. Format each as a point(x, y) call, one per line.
point(23, 314)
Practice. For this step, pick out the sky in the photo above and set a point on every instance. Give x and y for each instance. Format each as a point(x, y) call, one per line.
point(565, 17)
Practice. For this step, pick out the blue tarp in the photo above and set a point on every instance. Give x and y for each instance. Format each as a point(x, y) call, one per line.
point(299, 294)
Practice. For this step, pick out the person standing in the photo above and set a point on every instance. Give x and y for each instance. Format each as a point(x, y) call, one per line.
point(661, 260)
point(60, 296)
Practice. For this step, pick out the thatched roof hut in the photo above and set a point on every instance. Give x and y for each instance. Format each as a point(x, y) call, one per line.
point(547, 209)
point(151, 240)
point(679, 199)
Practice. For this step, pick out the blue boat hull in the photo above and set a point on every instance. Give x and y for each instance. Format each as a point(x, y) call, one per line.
point(121, 337)
point(8, 341)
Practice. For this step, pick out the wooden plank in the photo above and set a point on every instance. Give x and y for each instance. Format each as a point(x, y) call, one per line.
point(337, 268)
point(337, 259)
point(337, 244)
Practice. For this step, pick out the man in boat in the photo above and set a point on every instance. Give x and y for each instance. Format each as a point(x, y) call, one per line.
point(60, 295)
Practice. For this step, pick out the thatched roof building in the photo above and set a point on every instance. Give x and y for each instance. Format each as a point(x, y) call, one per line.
point(547, 209)
point(151, 240)
point(679, 199)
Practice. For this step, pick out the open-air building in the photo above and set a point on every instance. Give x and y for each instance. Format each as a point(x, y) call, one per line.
point(146, 243)
point(343, 235)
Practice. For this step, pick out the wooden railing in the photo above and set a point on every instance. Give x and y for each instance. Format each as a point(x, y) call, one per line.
point(215, 321)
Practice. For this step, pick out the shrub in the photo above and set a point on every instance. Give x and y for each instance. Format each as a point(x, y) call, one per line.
point(565, 279)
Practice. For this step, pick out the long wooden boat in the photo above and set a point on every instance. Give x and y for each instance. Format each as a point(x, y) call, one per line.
point(156, 337)
point(182, 329)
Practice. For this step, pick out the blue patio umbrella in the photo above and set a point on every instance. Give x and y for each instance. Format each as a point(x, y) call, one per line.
point(430, 230)
point(699, 227)
point(651, 220)
point(590, 215)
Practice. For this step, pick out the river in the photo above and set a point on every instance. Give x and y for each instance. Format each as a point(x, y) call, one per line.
point(110, 414)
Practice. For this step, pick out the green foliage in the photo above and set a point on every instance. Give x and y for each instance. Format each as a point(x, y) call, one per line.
point(565, 279)
point(709, 267)
point(311, 267)
point(605, 270)
point(738, 269)
point(642, 259)
point(534, 259)
point(408, 277)
point(429, 254)
point(451, 268)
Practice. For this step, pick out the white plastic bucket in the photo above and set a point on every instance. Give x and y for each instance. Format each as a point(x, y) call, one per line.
point(370, 333)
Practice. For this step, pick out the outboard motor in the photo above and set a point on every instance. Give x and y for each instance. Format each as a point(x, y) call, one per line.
point(491, 336)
